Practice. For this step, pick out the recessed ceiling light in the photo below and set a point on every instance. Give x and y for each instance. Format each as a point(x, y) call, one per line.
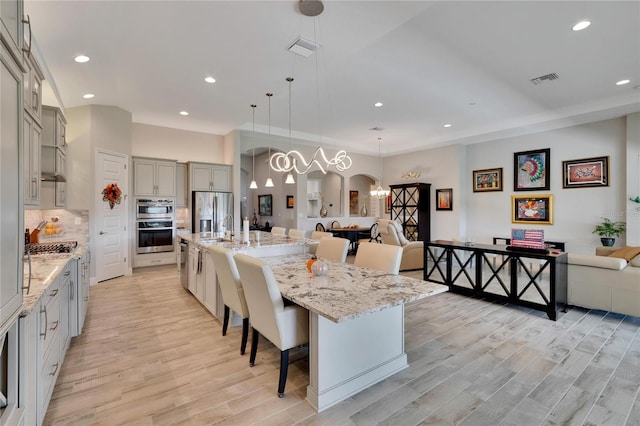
point(88, 96)
point(210, 79)
point(447, 125)
point(184, 113)
point(378, 104)
point(581, 25)
point(81, 59)
point(622, 82)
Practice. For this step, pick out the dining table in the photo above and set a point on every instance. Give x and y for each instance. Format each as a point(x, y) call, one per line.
point(353, 234)
point(356, 323)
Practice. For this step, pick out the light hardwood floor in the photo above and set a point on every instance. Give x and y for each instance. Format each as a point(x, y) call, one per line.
point(151, 355)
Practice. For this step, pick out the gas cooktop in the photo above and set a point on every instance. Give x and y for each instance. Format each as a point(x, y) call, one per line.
point(57, 247)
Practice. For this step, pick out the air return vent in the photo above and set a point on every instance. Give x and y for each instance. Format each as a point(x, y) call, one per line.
point(544, 78)
point(303, 47)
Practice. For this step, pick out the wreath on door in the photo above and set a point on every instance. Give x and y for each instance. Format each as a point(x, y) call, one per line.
point(112, 193)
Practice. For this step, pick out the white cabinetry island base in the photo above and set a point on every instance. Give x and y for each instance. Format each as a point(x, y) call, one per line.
point(348, 357)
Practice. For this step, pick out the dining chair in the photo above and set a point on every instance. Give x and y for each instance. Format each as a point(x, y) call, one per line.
point(382, 257)
point(285, 326)
point(297, 233)
point(278, 231)
point(317, 235)
point(333, 249)
point(371, 236)
point(335, 224)
point(231, 289)
point(320, 227)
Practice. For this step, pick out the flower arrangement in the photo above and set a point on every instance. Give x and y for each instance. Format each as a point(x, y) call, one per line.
point(112, 193)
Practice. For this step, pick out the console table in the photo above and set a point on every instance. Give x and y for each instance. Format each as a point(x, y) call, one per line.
point(533, 280)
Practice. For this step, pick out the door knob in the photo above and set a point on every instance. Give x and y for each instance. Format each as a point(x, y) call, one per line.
point(101, 233)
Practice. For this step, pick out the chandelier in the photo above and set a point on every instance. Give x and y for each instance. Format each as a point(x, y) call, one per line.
point(293, 160)
point(379, 192)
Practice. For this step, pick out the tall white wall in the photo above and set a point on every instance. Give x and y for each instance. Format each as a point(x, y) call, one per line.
point(633, 179)
point(176, 144)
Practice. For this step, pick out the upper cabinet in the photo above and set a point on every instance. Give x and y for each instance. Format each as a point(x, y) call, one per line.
point(12, 28)
point(53, 144)
point(32, 94)
point(209, 177)
point(154, 177)
point(181, 185)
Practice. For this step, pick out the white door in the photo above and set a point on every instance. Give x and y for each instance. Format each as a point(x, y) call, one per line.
point(111, 223)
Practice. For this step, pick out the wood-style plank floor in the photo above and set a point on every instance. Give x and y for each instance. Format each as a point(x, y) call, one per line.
point(150, 354)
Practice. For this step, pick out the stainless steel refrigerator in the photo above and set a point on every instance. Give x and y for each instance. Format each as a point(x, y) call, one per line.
point(209, 210)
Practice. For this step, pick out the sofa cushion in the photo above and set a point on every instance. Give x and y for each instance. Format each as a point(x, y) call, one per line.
point(626, 253)
point(635, 262)
point(597, 261)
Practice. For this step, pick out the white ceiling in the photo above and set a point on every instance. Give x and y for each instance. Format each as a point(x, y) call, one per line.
point(429, 62)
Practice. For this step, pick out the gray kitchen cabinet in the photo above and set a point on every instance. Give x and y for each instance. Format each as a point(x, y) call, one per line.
point(209, 177)
point(54, 128)
point(32, 89)
point(31, 161)
point(12, 28)
point(181, 185)
point(82, 281)
point(153, 177)
point(45, 336)
point(11, 198)
point(210, 290)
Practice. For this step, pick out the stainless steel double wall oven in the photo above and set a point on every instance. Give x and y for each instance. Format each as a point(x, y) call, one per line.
point(155, 225)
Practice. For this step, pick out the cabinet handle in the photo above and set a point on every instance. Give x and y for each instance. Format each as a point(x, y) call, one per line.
point(54, 293)
point(55, 370)
point(55, 325)
point(28, 22)
point(67, 273)
point(43, 310)
point(35, 99)
point(72, 295)
point(86, 299)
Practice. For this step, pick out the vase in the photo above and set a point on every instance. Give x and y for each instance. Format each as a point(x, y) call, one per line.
point(364, 211)
point(323, 211)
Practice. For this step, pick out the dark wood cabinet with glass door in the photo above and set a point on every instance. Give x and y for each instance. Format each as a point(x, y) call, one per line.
point(411, 207)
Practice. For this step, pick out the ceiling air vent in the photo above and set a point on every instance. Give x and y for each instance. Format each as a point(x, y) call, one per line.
point(543, 78)
point(303, 47)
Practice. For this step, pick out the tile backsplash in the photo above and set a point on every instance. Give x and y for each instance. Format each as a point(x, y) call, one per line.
point(72, 225)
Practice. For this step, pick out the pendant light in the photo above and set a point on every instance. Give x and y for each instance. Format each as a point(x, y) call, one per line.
point(380, 193)
point(269, 183)
point(290, 179)
point(253, 184)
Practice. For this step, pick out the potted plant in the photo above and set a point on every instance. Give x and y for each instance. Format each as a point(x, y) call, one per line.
point(609, 230)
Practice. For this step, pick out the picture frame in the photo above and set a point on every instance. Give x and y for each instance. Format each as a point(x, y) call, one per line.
point(532, 209)
point(444, 199)
point(353, 202)
point(387, 204)
point(264, 205)
point(531, 170)
point(487, 180)
point(585, 172)
point(290, 201)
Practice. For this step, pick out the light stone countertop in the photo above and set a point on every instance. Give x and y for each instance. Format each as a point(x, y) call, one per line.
point(205, 239)
point(44, 270)
point(348, 291)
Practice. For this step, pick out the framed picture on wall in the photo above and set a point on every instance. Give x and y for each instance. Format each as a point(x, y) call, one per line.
point(531, 170)
point(353, 202)
point(585, 172)
point(444, 199)
point(290, 201)
point(387, 204)
point(536, 209)
point(487, 180)
point(264, 205)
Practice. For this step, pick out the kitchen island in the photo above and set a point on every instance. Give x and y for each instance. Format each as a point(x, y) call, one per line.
point(356, 320)
point(268, 245)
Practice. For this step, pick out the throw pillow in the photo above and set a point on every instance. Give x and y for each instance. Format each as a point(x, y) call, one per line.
point(626, 253)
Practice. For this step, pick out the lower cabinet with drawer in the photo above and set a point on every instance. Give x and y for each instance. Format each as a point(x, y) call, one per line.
point(44, 341)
